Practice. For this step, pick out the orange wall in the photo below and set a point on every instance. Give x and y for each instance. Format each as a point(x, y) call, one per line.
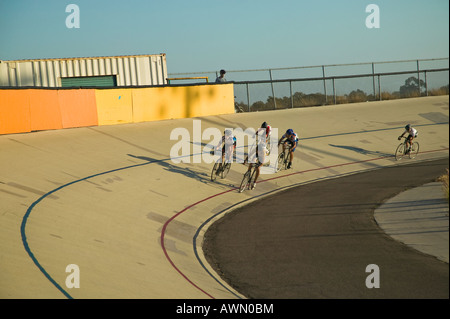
point(26, 110)
point(45, 113)
point(78, 108)
point(29, 110)
point(14, 111)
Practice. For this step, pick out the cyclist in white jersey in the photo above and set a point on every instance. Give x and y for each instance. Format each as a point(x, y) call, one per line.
point(228, 144)
point(412, 133)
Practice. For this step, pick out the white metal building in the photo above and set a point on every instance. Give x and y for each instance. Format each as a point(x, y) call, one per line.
point(133, 70)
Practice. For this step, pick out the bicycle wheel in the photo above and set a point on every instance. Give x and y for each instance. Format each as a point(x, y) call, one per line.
point(280, 162)
point(214, 171)
point(400, 152)
point(226, 169)
point(245, 181)
point(414, 150)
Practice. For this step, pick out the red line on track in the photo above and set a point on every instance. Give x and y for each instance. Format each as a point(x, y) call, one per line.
point(163, 235)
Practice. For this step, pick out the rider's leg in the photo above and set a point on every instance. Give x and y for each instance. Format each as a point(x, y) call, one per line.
point(408, 144)
point(256, 177)
point(291, 157)
point(229, 154)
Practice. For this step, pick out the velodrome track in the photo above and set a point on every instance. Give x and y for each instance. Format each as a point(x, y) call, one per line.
point(110, 200)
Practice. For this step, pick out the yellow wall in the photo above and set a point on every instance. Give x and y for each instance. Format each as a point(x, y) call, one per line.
point(162, 103)
point(114, 106)
point(153, 104)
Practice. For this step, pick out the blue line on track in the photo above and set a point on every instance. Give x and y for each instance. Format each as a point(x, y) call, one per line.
point(33, 205)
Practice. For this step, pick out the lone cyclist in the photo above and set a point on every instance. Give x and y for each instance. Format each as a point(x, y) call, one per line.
point(290, 138)
point(412, 133)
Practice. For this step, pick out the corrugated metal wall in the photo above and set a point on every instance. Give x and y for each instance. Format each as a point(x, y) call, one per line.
point(129, 70)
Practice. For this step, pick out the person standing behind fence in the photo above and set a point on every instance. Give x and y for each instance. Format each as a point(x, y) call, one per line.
point(221, 77)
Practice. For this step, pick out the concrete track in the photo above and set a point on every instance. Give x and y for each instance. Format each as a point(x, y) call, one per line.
point(316, 240)
point(110, 200)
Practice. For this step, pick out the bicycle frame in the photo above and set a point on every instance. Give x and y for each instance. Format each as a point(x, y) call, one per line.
point(402, 149)
point(283, 157)
point(249, 177)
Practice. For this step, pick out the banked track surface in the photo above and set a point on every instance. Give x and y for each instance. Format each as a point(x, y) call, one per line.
point(110, 223)
point(312, 241)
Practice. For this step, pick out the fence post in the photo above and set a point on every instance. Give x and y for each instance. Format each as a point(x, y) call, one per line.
point(373, 80)
point(273, 92)
point(334, 92)
point(418, 78)
point(324, 84)
point(248, 98)
point(426, 84)
point(292, 97)
point(379, 87)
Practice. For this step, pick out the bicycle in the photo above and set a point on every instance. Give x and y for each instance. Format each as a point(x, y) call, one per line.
point(219, 168)
point(249, 178)
point(283, 158)
point(402, 150)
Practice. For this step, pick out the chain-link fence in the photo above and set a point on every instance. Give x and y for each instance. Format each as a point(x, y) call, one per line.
point(268, 89)
point(290, 93)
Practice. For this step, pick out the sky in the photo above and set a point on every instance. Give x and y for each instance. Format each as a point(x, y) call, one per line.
point(198, 35)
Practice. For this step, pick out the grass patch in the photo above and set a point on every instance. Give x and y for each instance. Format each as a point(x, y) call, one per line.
point(444, 180)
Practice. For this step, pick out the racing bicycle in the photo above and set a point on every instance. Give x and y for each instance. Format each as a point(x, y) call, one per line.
point(402, 150)
point(283, 158)
point(220, 169)
point(249, 178)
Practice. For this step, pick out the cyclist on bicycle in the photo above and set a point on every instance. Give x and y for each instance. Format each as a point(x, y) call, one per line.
point(258, 160)
point(412, 133)
point(290, 138)
point(268, 128)
point(228, 144)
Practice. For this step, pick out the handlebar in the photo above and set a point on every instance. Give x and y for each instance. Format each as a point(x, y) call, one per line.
point(285, 145)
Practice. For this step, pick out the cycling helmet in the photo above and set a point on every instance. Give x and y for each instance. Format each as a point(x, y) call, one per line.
point(290, 131)
point(407, 127)
point(264, 125)
point(228, 132)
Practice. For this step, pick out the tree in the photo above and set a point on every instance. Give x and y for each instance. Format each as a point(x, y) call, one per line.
point(411, 87)
point(357, 96)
